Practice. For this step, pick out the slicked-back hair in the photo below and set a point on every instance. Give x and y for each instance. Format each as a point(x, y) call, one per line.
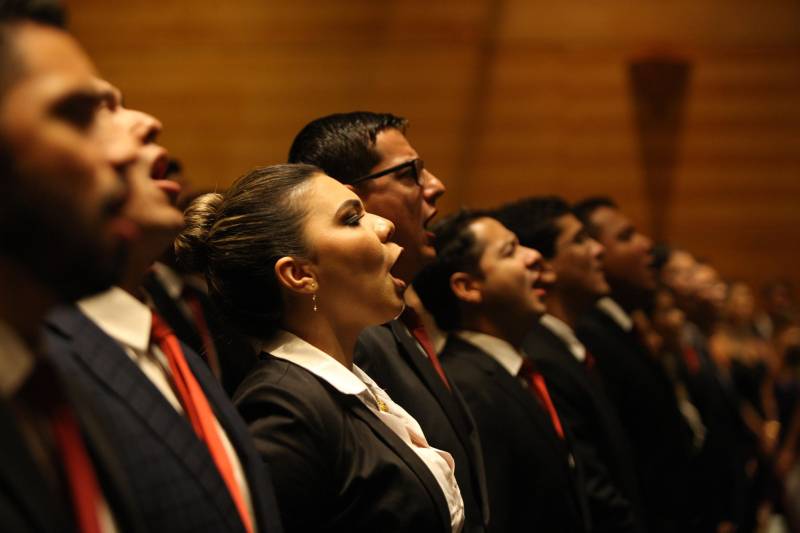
point(586, 207)
point(236, 238)
point(15, 12)
point(535, 221)
point(457, 250)
point(343, 144)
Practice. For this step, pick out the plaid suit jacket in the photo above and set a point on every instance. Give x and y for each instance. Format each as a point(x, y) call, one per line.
point(173, 475)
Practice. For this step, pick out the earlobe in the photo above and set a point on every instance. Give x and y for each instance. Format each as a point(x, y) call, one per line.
point(295, 275)
point(466, 288)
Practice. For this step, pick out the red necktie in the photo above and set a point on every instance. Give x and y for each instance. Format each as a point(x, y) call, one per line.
point(532, 376)
point(198, 411)
point(44, 390)
point(412, 321)
point(692, 360)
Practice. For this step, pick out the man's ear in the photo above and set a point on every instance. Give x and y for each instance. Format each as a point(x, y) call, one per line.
point(466, 288)
point(296, 275)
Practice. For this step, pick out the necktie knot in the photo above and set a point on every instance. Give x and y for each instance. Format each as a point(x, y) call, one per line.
point(159, 330)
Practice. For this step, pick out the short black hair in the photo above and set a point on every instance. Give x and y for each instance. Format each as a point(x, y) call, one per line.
point(534, 220)
point(457, 250)
point(586, 207)
point(343, 144)
point(45, 12)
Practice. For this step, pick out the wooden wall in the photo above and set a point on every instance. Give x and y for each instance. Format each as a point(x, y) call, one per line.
point(506, 98)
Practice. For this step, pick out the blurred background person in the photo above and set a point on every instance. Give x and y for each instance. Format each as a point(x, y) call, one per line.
point(191, 462)
point(547, 225)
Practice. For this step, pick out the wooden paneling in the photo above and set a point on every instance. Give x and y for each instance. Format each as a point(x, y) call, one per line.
point(506, 98)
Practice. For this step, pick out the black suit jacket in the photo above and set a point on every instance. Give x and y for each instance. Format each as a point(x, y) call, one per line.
point(337, 467)
point(173, 476)
point(532, 483)
point(28, 502)
point(599, 441)
point(236, 356)
point(392, 357)
point(648, 409)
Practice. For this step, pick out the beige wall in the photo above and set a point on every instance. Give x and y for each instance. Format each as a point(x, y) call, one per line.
point(506, 98)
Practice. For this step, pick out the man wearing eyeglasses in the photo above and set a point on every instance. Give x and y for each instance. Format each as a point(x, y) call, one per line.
point(370, 153)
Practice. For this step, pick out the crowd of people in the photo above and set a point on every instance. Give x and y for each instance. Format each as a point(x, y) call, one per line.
point(308, 351)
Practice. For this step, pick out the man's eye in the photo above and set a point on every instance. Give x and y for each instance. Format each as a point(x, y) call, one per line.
point(354, 219)
point(78, 111)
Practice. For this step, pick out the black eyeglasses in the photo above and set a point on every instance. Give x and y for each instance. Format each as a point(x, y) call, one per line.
point(416, 166)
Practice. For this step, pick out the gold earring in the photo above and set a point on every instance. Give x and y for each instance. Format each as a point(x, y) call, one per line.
point(314, 301)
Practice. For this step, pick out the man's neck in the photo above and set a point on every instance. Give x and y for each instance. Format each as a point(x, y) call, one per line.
point(512, 333)
point(567, 309)
point(24, 301)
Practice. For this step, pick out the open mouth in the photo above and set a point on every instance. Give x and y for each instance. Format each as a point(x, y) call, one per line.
point(399, 284)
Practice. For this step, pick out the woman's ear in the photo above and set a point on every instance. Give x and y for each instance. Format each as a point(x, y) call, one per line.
point(466, 287)
point(296, 275)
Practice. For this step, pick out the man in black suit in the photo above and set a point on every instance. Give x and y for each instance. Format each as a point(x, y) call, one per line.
point(369, 152)
point(62, 236)
point(635, 380)
point(486, 290)
point(192, 464)
point(547, 224)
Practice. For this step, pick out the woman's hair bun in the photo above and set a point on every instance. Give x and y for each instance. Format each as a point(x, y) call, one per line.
point(191, 246)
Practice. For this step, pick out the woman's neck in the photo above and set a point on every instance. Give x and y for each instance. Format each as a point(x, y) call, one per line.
point(319, 331)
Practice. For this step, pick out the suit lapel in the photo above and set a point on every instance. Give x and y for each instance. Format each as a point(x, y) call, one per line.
point(411, 459)
point(107, 363)
point(255, 471)
point(423, 367)
point(513, 388)
point(23, 479)
point(171, 313)
point(451, 402)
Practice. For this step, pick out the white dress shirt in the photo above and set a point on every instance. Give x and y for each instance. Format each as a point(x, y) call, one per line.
point(501, 351)
point(285, 345)
point(617, 313)
point(560, 329)
point(128, 321)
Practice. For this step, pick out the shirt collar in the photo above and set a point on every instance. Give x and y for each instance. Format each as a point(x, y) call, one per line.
point(617, 313)
point(171, 281)
point(501, 351)
point(561, 330)
point(288, 346)
point(120, 316)
point(16, 362)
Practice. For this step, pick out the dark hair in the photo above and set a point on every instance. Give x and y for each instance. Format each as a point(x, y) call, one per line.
point(235, 239)
point(343, 144)
point(534, 221)
point(586, 207)
point(662, 253)
point(14, 12)
point(457, 250)
point(46, 12)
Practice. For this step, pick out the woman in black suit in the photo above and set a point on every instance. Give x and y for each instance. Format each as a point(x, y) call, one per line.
point(292, 258)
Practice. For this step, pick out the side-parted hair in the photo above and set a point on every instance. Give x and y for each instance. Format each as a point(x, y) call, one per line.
point(457, 250)
point(586, 207)
point(343, 144)
point(534, 220)
point(236, 238)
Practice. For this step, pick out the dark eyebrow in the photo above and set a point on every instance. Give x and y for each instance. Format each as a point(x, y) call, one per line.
point(352, 203)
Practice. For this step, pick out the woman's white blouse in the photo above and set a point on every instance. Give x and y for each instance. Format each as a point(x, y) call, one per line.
point(288, 346)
